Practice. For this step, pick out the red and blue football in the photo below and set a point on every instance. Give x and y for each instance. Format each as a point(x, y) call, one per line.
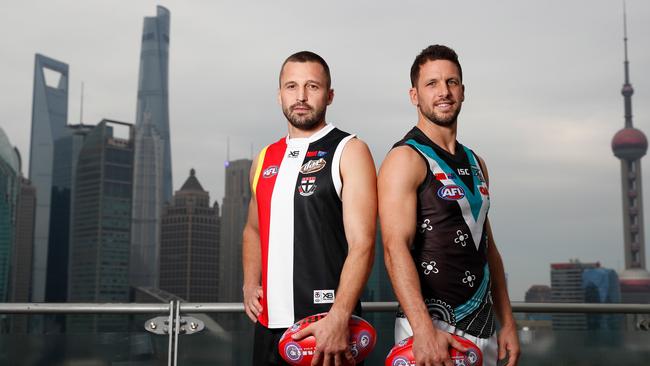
point(402, 353)
point(300, 353)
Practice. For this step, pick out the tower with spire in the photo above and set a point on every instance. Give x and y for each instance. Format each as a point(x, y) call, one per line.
point(630, 145)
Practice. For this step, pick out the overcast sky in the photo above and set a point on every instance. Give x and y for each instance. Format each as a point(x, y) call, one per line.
point(542, 103)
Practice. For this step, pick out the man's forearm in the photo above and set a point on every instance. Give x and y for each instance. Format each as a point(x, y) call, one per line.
point(406, 285)
point(354, 275)
point(251, 258)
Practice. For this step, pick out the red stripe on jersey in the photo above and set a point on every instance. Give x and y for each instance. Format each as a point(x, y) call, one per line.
point(263, 193)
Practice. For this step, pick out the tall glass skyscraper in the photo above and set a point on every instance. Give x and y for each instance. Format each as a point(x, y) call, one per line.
point(101, 223)
point(153, 166)
point(234, 213)
point(66, 154)
point(49, 119)
point(9, 187)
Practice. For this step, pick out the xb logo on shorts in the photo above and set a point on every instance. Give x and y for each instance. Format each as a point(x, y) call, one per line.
point(307, 186)
point(451, 192)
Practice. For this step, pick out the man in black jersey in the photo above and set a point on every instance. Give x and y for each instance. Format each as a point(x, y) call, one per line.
point(309, 241)
point(439, 251)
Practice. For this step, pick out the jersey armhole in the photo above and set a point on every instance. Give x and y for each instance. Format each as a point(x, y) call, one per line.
point(480, 164)
point(336, 164)
point(258, 169)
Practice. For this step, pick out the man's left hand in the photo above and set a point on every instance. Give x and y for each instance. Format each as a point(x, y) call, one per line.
point(331, 334)
point(509, 345)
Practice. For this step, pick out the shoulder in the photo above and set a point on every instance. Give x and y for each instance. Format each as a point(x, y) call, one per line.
point(403, 165)
point(356, 153)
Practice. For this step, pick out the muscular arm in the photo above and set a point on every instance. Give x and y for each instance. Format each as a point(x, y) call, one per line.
point(359, 196)
point(252, 257)
point(400, 175)
point(508, 339)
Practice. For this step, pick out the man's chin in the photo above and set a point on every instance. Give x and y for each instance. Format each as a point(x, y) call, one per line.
point(304, 125)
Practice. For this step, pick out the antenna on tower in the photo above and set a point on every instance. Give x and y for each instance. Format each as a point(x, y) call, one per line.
point(626, 62)
point(81, 105)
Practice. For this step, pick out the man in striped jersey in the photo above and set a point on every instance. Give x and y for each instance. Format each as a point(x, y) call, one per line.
point(309, 241)
point(433, 202)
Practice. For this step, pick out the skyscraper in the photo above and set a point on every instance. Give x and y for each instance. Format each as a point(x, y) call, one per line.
point(9, 187)
point(567, 286)
point(630, 145)
point(49, 118)
point(153, 166)
point(66, 154)
point(101, 223)
point(234, 213)
point(21, 263)
point(147, 208)
point(21, 268)
point(189, 248)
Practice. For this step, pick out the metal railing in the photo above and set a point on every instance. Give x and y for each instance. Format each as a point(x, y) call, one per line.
point(233, 307)
point(175, 322)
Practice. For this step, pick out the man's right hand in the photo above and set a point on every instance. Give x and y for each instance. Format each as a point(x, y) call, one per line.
point(432, 348)
point(252, 296)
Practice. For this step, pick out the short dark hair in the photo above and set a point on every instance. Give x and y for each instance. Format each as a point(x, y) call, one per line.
point(433, 53)
point(308, 56)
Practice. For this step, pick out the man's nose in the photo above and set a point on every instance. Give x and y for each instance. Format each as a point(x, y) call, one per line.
point(301, 96)
point(443, 90)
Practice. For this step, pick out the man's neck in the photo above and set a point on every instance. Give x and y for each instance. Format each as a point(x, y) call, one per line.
point(444, 137)
point(295, 132)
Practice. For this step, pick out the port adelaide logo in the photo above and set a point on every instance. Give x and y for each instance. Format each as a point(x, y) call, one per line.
point(270, 171)
point(451, 192)
point(313, 166)
point(307, 186)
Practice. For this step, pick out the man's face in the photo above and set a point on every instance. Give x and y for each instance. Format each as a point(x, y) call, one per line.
point(304, 94)
point(439, 92)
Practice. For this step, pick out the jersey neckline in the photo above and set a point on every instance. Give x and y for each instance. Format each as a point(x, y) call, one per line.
point(458, 157)
point(315, 137)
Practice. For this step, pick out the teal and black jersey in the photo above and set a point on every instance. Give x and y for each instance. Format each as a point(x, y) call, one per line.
point(450, 245)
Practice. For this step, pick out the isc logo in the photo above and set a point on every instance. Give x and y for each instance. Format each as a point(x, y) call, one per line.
point(451, 193)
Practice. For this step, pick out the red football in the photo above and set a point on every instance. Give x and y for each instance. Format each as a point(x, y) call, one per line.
point(402, 353)
point(362, 340)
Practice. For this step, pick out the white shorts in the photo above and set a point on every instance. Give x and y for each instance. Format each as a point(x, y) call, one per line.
point(488, 346)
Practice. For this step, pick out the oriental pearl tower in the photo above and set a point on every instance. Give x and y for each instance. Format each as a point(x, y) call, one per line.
point(630, 145)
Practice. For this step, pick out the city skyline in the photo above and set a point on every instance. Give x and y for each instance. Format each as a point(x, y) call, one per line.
point(540, 78)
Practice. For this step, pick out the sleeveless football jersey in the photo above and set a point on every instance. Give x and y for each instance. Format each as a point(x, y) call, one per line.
point(298, 185)
point(450, 245)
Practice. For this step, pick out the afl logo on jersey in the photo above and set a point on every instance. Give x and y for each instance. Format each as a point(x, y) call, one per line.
point(451, 192)
point(270, 171)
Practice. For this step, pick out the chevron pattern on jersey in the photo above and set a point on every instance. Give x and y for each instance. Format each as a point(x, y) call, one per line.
point(474, 205)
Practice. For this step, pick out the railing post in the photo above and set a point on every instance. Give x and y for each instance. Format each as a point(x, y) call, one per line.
point(177, 326)
point(170, 321)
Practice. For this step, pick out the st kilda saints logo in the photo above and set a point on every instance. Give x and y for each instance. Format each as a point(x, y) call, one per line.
point(307, 186)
